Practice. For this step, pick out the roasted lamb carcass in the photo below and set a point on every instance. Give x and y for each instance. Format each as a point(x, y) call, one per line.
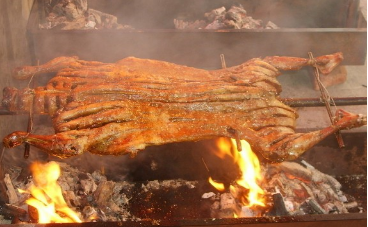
point(120, 108)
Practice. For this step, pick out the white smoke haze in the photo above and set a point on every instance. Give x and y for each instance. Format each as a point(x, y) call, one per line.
point(156, 39)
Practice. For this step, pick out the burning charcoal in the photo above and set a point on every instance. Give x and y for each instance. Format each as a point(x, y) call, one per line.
point(342, 197)
point(220, 18)
point(292, 188)
point(104, 20)
point(307, 189)
point(227, 202)
point(103, 194)
point(316, 207)
point(215, 25)
point(12, 194)
point(315, 191)
point(305, 208)
point(318, 176)
point(236, 13)
point(88, 185)
point(208, 195)
point(250, 23)
point(340, 206)
point(98, 176)
point(354, 209)
point(330, 208)
point(69, 178)
point(179, 183)
point(121, 200)
point(214, 14)
point(279, 208)
point(154, 185)
point(10, 212)
point(198, 24)
point(225, 213)
point(4, 220)
point(329, 191)
point(296, 170)
point(216, 205)
point(289, 206)
point(247, 212)
point(73, 14)
point(13, 171)
point(214, 209)
point(320, 196)
point(71, 11)
point(351, 205)
point(271, 25)
point(89, 213)
point(231, 24)
point(112, 207)
point(33, 214)
point(71, 199)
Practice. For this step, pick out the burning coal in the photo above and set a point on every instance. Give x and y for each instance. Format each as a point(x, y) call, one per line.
point(287, 189)
point(47, 196)
point(250, 173)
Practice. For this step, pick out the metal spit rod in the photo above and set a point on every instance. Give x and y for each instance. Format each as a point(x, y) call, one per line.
point(292, 102)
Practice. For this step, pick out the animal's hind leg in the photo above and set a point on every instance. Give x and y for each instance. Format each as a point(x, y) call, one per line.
point(294, 145)
point(53, 65)
point(325, 63)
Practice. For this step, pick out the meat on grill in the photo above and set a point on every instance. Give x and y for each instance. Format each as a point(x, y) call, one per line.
point(120, 108)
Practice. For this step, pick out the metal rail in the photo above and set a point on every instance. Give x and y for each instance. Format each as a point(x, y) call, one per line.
point(316, 102)
point(300, 102)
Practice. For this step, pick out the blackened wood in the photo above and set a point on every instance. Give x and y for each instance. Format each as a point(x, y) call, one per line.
point(11, 212)
point(278, 208)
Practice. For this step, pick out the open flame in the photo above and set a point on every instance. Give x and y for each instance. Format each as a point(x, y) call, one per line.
point(246, 189)
point(47, 195)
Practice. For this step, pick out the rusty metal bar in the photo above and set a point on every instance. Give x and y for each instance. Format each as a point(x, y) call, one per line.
point(316, 102)
point(6, 112)
point(316, 220)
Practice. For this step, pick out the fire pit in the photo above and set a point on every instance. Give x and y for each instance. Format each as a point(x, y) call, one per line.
point(170, 201)
point(168, 185)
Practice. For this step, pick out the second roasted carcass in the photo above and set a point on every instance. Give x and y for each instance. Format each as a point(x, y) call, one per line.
point(119, 108)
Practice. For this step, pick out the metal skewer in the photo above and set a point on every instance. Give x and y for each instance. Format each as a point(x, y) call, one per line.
point(27, 147)
point(223, 63)
point(326, 100)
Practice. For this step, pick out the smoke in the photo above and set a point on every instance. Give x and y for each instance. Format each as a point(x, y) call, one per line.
point(155, 38)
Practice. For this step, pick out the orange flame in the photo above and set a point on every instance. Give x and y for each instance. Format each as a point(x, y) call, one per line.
point(47, 195)
point(250, 172)
point(217, 185)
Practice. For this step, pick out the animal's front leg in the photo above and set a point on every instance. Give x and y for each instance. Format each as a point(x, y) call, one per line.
point(61, 145)
point(294, 145)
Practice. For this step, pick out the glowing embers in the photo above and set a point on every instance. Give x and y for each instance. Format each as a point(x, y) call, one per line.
point(246, 187)
point(47, 195)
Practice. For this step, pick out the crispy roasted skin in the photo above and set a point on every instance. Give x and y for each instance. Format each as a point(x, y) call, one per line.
point(120, 108)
